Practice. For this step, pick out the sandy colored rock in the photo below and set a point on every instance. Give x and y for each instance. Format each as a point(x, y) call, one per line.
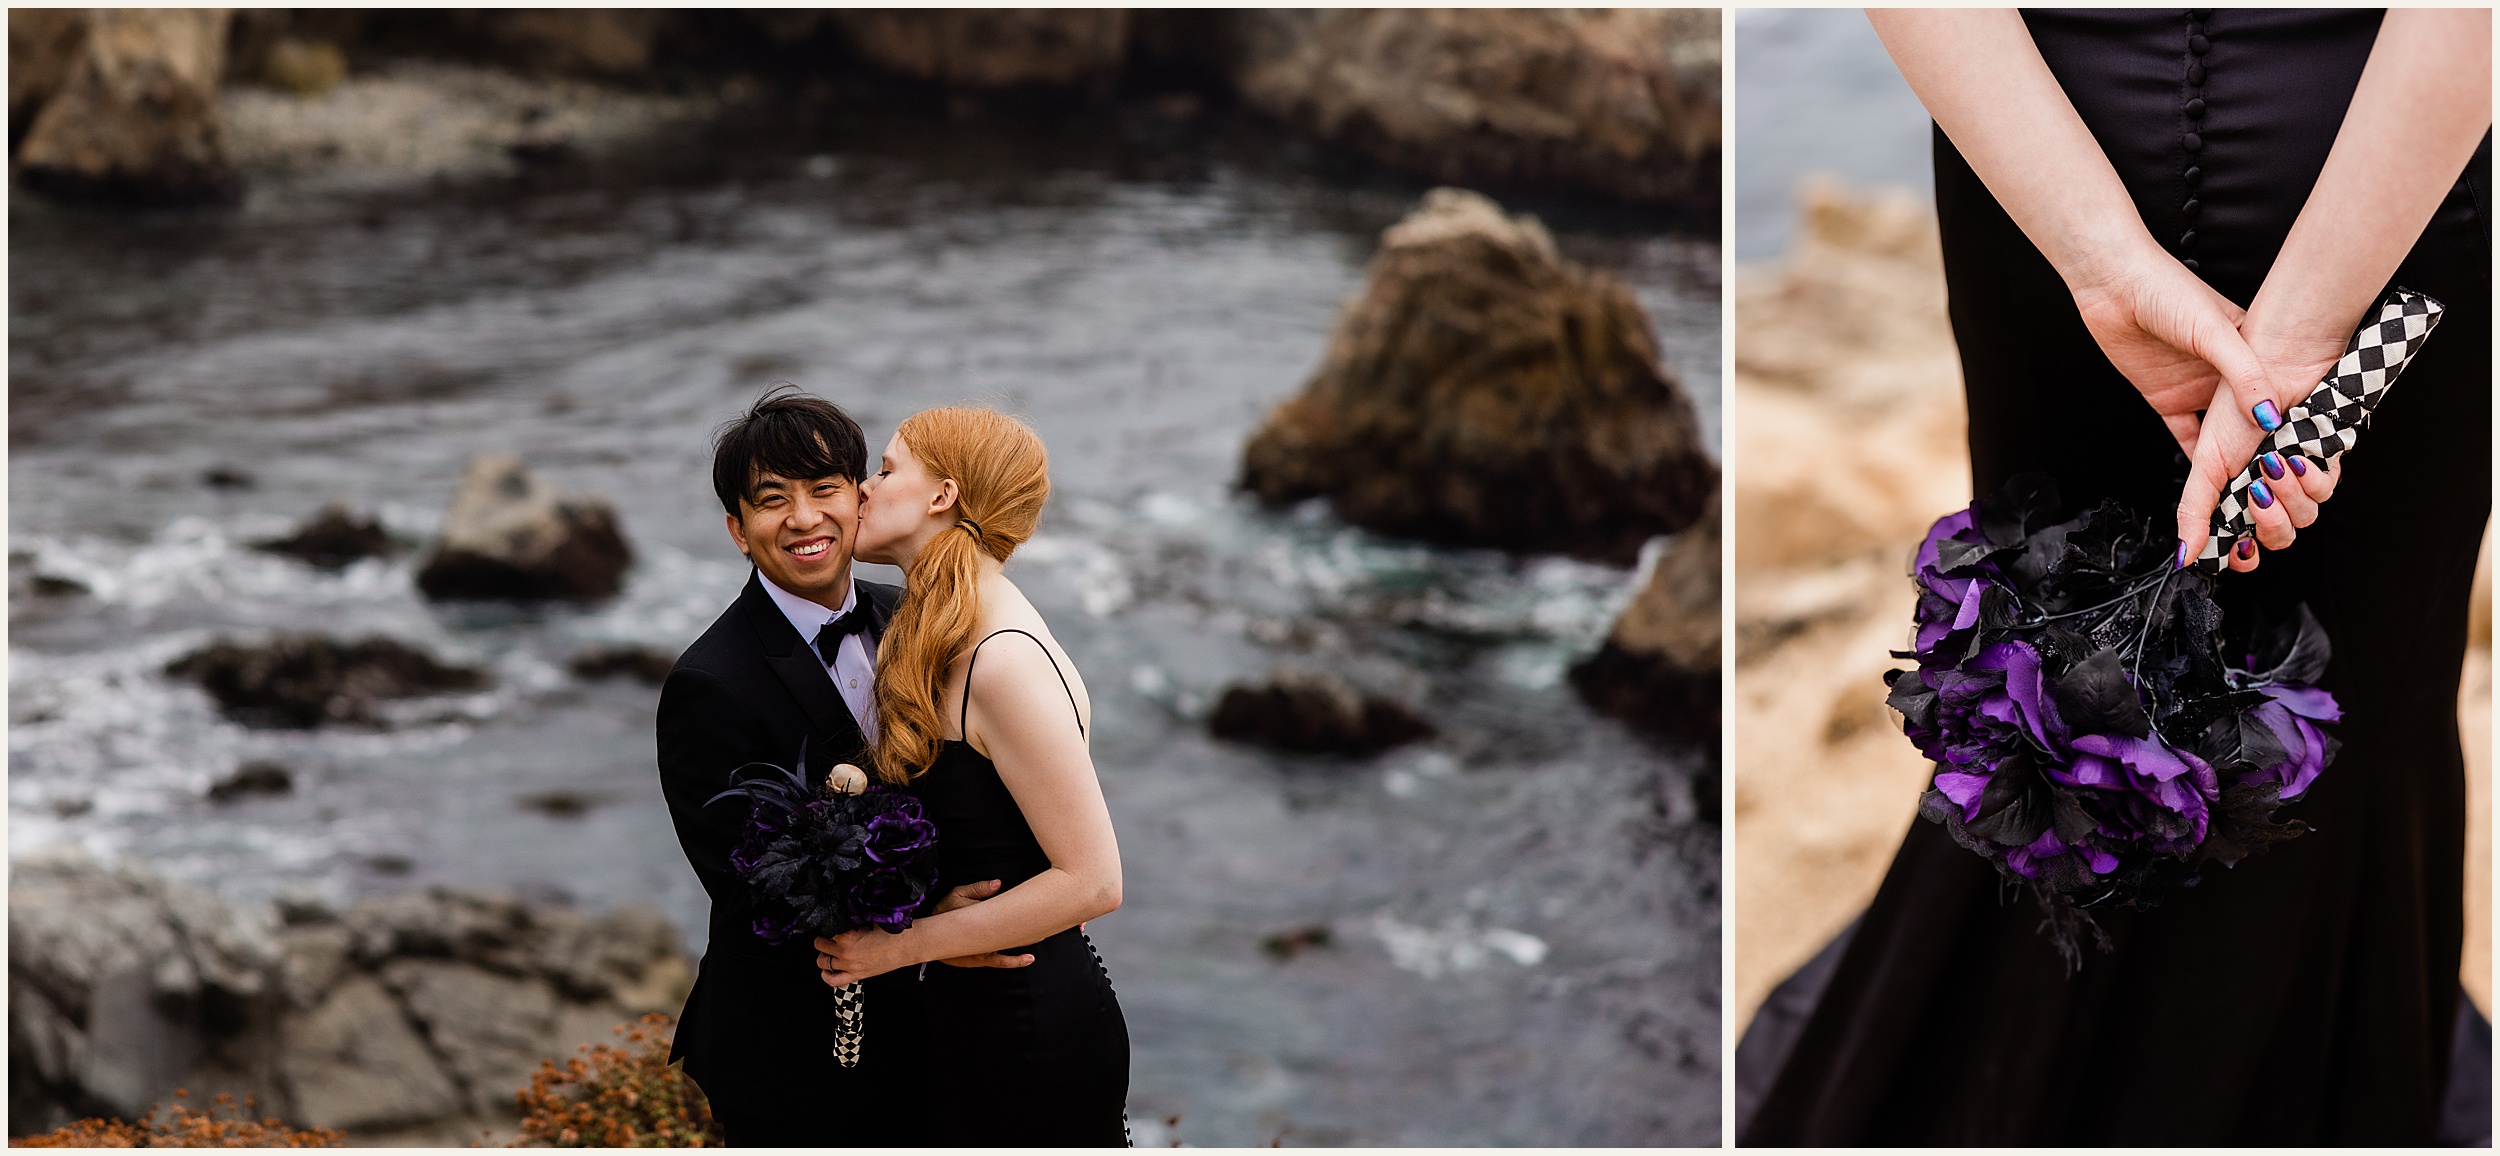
point(45, 46)
point(1620, 101)
point(1482, 390)
point(1659, 667)
point(135, 119)
point(354, 1062)
point(490, 1030)
point(303, 67)
point(991, 47)
point(611, 42)
point(509, 535)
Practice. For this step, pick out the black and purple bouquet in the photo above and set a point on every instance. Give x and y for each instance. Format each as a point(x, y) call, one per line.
point(852, 855)
point(2100, 732)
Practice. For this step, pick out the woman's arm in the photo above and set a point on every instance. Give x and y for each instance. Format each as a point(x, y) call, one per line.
point(1023, 722)
point(1982, 78)
point(2423, 105)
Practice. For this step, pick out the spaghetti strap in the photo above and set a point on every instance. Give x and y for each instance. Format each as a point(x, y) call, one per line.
point(964, 712)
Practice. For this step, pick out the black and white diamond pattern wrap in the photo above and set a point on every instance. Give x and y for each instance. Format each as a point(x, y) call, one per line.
point(848, 1013)
point(2331, 420)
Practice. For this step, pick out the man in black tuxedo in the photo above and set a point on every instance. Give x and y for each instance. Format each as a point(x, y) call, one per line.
point(792, 659)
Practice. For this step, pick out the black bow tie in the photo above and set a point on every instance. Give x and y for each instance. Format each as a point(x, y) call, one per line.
point(829, 639)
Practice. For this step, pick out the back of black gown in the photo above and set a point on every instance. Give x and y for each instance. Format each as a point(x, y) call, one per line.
point(2305, 997)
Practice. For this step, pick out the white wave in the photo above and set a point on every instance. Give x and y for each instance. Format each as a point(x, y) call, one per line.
point(1454, 947)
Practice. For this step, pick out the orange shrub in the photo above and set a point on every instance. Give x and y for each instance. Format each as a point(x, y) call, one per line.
point(224, 1125)
point(617, 1097)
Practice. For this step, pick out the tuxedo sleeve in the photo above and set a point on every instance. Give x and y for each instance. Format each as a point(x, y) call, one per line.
point(704, 734)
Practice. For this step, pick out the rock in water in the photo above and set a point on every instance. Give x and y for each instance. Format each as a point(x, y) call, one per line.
point(1314, 713)
point(1659, 668)
point(332, 538)
point(135, 117)
point(303, 681)
point(45, 46)
point(1623, 102)
point(1484, 391)
point(991, 47)
point(510, 536)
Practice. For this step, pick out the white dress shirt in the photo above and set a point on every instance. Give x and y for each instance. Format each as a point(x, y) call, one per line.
point(854, 666)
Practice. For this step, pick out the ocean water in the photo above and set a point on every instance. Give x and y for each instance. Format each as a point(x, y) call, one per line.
point(1815, 93)
point(1518, 916)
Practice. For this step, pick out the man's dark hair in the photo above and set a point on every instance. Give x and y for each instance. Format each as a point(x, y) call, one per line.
point(790, 434)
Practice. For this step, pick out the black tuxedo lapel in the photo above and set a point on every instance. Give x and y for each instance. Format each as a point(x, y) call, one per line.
point(796, 665)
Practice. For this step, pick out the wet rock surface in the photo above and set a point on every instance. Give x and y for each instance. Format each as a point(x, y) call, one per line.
point(510, 536)
point(991, 47)
point(303, 681)
point(1485, 391)
point(333, 538)
point(397, 1012)
point(134, 117)
point(1659, 668)
point(258, 777)
point(1315, 713)
point(640, 663)
point(1623, 102)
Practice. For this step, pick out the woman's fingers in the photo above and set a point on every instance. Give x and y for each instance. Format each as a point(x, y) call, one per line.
point(2271, 516)
point(839, 978)
point(2243, 555)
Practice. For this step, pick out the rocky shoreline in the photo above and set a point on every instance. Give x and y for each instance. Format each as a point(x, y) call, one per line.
point(421, 1011)
point(154, 107)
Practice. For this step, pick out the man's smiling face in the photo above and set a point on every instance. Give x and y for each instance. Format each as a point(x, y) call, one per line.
point(798, 532)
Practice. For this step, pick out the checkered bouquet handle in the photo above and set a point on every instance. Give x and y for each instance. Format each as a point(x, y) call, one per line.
point(2331, 420)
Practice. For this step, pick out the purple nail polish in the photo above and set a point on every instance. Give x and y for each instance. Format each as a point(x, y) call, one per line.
point(2273, 465)
point(2264, 496)
point(2267, 419)
point(2181, 562)
point(2248, 548)
point(2300, 465)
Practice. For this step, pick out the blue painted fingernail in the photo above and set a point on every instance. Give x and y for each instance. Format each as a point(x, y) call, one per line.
point(2267, 419)
point(2248, 548)
point(2300, 465)
point(2264, 496)
point(2181, 562)
point(2273, 463)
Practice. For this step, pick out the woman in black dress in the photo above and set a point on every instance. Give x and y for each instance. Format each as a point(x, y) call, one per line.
point(1034, 1052)
point(2153, 220)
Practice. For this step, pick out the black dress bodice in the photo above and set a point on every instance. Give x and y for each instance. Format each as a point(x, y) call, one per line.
point(981, 832)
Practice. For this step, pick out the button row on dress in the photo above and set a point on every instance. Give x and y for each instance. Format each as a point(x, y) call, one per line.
point(2192, 138)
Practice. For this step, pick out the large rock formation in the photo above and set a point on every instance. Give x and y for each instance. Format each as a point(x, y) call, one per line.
point(1659, 668)
point(508, 535)
point(134, 115)
point(1485, 391)
point(399, 1011)
point(991, 47)
point(1620, 101)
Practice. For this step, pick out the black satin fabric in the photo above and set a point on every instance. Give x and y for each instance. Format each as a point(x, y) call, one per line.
point(1030, 1056)
point(2307, 996)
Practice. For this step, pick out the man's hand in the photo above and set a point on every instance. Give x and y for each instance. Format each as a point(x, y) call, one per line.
point(966, 896)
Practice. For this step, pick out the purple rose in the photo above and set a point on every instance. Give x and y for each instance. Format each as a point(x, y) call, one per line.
point(898, 835)
point(886, 899)
point(2293, 716)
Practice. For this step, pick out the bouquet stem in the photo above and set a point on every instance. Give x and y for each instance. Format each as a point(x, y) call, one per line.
point(849, 1012)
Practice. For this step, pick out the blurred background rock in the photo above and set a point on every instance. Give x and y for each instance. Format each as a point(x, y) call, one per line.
point(363, 365)
point(1851, 441)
